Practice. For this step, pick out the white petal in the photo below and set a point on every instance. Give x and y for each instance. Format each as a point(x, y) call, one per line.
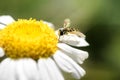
point(2, 26)
point(43, 72)
point(49, 24)
point(77, 55)
point(73, 40)
point(68, 65)
point(82, 42)
point(4, 20)
point(48, 70)
point(2, 53)
point(7, 70)
point(30, 69)
point(20, 70)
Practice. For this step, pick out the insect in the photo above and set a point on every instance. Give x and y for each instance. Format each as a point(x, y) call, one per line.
point(69, 30)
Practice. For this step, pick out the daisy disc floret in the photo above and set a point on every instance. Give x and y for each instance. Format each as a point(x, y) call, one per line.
point(28, 39)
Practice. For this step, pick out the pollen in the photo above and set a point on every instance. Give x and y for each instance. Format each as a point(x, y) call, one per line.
point(28, 39)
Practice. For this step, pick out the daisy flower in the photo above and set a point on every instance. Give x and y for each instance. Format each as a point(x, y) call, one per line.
point(32, 50)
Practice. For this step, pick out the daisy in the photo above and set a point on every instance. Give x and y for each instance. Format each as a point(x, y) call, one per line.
point(34, 51)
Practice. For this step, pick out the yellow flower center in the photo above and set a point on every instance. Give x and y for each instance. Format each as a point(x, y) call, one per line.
point(28, 39)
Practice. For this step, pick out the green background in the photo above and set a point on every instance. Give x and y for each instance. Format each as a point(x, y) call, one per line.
point(98, 19)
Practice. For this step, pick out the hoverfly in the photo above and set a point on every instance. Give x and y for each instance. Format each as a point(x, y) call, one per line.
point(69, 30)
point(71, 36)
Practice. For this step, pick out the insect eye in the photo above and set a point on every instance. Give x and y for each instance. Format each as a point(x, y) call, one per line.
point(61, 32)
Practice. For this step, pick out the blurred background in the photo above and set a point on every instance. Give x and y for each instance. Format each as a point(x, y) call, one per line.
point(99, 20)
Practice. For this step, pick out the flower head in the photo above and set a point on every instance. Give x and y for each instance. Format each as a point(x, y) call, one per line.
point(34, 51)
point(27, 39)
